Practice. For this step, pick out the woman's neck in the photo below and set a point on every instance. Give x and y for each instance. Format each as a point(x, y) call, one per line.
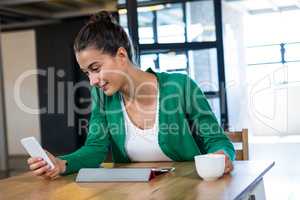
point(139, 86)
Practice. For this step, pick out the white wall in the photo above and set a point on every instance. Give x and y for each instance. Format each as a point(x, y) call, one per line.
point(235, 66)
point(264, 104)
point(262, 98)
point(273, 88)
point(19, 56)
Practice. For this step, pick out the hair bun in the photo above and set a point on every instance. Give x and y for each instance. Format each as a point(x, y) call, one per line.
point(102, 17)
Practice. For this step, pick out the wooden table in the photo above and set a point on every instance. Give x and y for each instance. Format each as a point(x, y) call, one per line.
point(184, 183)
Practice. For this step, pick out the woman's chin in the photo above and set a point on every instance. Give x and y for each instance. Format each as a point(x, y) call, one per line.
point(109, 92)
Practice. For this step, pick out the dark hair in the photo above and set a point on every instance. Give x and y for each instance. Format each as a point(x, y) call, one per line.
point(104, 33)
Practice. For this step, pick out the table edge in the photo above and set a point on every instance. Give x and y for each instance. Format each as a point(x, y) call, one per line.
point(253, 184)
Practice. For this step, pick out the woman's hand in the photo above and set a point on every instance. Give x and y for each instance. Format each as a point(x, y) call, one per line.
point(39, 167)
point(228, 163)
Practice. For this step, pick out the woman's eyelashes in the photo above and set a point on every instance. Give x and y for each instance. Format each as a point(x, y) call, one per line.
point(95, 69)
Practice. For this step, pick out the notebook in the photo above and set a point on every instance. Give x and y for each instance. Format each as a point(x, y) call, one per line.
point(114, 175)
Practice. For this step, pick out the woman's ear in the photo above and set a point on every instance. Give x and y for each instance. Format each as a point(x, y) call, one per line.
point(122, 54)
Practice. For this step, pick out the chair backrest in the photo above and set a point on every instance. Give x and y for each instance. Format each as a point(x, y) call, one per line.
point(234, 136)
point(240, 137)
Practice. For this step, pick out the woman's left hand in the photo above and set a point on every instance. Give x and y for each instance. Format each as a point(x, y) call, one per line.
point(228, 163)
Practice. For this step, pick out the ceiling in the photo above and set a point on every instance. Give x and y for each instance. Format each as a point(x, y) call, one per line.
point(22, 13)
point(18, 13)
point(265, 6)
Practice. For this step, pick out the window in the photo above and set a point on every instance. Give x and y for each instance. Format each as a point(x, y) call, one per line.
point(170, 25)
point(263, 54)
point(273, 72)
point(215, 106)
point(204, 69)
point(148, 60)
point(145, 21)
point(272, 56)
point(292, 52)
point(181, 37)
point(172, 61)
point(120, 2)
point(293, 72)
point(123, 19)
point(200, 21)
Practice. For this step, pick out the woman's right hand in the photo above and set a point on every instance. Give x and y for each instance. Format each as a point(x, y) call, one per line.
point(39, 167)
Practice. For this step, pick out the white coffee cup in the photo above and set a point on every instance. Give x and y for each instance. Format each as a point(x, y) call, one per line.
point(210, 166)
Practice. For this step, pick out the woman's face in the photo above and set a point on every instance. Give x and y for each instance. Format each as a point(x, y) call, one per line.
point(104, 71)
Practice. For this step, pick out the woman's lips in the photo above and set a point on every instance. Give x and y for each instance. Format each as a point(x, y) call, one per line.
point(104, 87)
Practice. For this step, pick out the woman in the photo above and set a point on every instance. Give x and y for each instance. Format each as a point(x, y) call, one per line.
point(141, 116)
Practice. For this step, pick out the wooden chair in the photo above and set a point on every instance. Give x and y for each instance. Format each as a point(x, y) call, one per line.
point(108, 162)
point(234, 136)
point(240, 137)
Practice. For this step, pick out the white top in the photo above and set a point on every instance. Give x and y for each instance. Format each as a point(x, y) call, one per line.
point(142, 144)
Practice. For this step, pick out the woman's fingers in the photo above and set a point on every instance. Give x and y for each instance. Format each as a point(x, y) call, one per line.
point(51, 157)
point(228, 166)
point(40, 171)
point(53, 172)
point(228, 170)
point(41, 168)
point(37, 165)
point(33, 160)
point(49, 173)
point(228, 163)
point(54, 175)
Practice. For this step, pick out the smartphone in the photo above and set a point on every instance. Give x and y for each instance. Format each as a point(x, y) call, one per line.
point(163, 169)
point(34, 149)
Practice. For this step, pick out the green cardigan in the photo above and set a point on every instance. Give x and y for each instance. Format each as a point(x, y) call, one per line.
point(187, 126)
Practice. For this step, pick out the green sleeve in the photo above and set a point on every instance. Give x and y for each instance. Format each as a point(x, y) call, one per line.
point(95, 149)
point(207, 132)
